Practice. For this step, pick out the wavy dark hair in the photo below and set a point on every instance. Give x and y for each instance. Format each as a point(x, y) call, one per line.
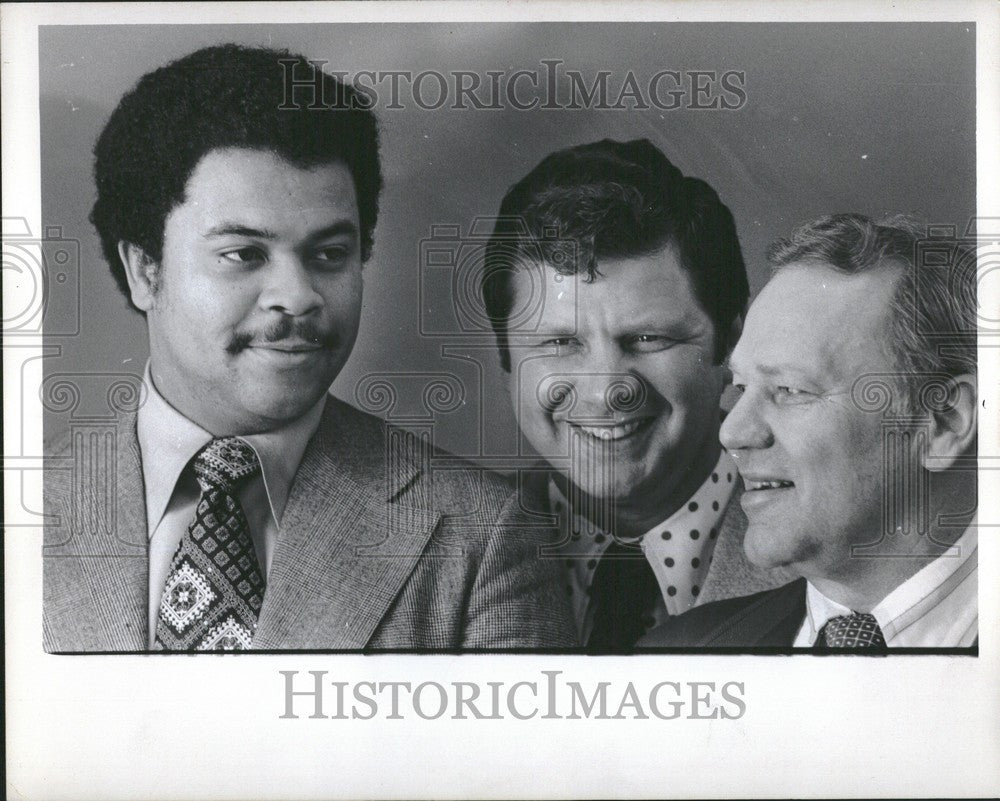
point(227, 96)
point(614, 199)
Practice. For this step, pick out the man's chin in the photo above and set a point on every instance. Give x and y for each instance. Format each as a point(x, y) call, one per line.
point(272, 413)
point(618, 492)
point(293, 387)
point(769, 547)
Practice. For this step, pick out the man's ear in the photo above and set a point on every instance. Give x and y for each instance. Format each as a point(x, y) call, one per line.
point(733, 335)
point(725, 348)
point(954, 428)
point(142, 274)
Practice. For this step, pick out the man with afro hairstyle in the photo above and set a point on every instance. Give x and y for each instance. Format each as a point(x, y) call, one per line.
point(246, 508)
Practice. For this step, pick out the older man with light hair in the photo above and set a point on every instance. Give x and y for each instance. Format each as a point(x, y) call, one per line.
point(855, 434)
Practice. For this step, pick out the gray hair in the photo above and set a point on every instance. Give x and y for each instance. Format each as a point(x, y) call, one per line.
point(932, 327)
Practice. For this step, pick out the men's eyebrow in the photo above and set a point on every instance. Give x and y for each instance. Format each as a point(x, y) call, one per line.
point(771, 370)
point(679, 328)
point(339, 228)
point(553, 331)
point(237, 229)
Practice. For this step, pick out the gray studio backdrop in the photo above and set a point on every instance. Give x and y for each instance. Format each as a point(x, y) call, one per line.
point(873, 118)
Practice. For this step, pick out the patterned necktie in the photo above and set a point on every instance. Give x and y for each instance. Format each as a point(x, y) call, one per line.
point(624, 588)
point(852, 631)
point(215, 586)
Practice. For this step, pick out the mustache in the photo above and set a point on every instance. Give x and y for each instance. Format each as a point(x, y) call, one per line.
point(280, 330)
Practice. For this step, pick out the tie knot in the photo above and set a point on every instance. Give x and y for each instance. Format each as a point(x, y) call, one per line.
point(852, 631)
point(224, 462)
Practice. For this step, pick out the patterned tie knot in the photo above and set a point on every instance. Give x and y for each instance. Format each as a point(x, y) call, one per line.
point(853, 631)
point(224, 462)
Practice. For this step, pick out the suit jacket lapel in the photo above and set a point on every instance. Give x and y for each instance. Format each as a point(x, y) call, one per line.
point(97, 562)
point(346, 545)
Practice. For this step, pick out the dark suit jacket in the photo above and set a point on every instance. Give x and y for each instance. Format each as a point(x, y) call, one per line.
point(765, 619)
point(372, 553)
point(768, 619)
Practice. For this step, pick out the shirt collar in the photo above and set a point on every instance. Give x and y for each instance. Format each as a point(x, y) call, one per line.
point(703, 511)
point(679, 549)
point(926, 588)
point(685, 541)
point(698, 513)
point(168, 441)
point(820, 609)
point(912, 599)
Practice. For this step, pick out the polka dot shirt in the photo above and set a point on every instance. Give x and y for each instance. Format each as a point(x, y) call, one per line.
point(679, 549)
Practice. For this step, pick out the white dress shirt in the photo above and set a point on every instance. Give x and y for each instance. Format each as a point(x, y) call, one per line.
point(168, 441)
point(679, 549)
point(935, 608)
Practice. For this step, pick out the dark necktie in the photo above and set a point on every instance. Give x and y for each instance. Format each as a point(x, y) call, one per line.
point(623, 590)
point(851, 631)
point(215, 587)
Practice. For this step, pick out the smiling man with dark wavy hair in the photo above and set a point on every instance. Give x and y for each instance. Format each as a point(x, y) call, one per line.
point(247, 508)
point(616, 287)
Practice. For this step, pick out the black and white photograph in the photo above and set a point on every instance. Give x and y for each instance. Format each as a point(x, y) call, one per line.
point(567, 401)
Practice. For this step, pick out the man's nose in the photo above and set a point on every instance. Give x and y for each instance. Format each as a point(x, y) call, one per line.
point(601, 388)
point(745, 427)
point(288, 288)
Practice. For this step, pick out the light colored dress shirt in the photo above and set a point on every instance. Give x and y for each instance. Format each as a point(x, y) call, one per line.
point(679, 549)
point(168, 441)
point(935, 608)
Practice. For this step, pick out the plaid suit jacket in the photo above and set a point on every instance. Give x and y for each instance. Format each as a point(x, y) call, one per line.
point(376, 549)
